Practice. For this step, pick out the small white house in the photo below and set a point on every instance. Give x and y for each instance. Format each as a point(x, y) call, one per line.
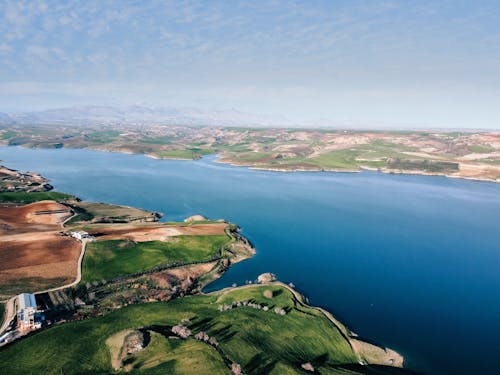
point(80, 235)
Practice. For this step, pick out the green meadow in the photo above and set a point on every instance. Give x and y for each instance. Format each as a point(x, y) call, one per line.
point(106, 260)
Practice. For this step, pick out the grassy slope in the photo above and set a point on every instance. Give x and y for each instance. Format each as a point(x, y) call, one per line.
point(374, 154)
point(481, 149)
point(176, 154)
point(87, 211)
point(105, 260)
point(7, 134)
point(22, 197)
point(262, 342)
point(2, 312)
point(172, 356)
point(105, 136)
point(81, 215)
point(30, 285)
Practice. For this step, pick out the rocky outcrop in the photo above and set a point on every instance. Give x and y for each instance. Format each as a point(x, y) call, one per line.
point(266, 278)
point(12, 180)
point(194, 218)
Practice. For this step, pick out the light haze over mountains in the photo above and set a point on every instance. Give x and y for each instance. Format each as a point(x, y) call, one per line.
point(142, 115)
point(368, 63)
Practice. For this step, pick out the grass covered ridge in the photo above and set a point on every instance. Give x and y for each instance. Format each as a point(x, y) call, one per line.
point(2, 312)
point(173, 356)
point(23, 197)
point(109, 213)
point(260, 341)
point(192, 153)
point(105, 260)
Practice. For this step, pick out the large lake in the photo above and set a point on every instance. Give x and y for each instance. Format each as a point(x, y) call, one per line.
point(411, 262)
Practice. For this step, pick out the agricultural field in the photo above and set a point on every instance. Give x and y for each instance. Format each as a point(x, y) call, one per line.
point(34, 255)
point(36, 252)
point(155, 231)
point(107, 259)
point(192, 335)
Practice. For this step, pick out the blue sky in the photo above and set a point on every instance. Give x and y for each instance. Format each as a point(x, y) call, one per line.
point(372, 63)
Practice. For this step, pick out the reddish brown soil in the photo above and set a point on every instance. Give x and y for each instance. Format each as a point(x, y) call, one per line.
point(32, 246)
point(156, 232)
point(175, 276)
point(33, 213)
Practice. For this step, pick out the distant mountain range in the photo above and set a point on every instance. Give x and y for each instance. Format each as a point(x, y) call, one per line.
point(142, 115)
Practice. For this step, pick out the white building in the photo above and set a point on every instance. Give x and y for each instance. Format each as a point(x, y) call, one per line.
point(26, 311)
point(80, 235)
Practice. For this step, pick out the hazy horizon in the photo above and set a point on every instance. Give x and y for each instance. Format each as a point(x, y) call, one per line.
point(218, 118)
point(360, 64)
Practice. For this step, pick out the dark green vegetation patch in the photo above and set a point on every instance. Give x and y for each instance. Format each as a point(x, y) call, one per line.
point(481, 149)
point(7, 134)
point(2, 312)
point(23, 197)
point(425, 165)
point(80, 215)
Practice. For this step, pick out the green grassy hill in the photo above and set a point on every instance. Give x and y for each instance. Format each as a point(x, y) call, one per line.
point(262, 342)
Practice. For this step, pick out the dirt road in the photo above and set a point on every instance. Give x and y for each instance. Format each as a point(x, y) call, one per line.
point(10, 312)
point(78, 270)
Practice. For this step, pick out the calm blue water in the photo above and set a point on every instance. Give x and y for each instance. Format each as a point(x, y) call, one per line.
point(411, 262)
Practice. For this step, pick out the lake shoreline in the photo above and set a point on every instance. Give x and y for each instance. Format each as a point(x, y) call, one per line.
point(278, 169)
point(361, 169)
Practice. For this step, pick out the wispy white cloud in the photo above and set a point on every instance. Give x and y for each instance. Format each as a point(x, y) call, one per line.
point(248, 52)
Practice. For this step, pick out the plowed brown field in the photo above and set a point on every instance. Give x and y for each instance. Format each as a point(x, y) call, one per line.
point(34, 255)
point(155, 232)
